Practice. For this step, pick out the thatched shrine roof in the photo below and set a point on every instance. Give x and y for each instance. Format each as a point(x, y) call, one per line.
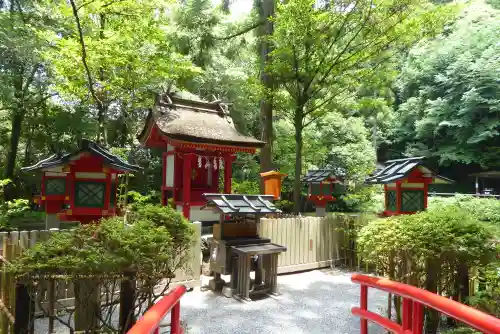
point(176, 117)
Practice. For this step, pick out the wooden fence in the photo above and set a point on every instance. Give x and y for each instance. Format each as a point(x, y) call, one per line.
point(57, 294)
point(312, 242)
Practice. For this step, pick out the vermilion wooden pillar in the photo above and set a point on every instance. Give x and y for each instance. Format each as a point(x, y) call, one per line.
point(186, 184)
point(398, 197)
point(228, 172)
point(164, 178)
point(426, 193)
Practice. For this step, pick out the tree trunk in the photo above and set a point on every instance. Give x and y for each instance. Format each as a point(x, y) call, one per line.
point(266, 79)
point(127, 300)
point(102, 108)
point(431, 284)
point(297, 184)
point(16, 126)
point(463, 278)
point(226, 4)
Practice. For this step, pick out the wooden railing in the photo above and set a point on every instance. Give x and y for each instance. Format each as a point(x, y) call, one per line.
point(150, 321)
point(414, 300)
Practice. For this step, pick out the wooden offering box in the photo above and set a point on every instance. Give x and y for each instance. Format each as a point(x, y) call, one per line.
point(238, 228)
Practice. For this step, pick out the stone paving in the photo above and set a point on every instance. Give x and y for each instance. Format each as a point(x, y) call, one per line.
point(310, 302)
point(317, 301)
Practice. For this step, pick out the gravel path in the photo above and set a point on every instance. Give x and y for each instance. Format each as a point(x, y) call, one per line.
point(318, 301)
point(311, 302)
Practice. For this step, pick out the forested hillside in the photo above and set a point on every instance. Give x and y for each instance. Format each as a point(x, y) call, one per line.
point(328, 84)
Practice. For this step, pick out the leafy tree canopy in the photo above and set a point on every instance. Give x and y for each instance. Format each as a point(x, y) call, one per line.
point(450, 92)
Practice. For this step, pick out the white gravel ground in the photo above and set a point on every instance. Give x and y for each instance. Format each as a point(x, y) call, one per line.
point(318, 301)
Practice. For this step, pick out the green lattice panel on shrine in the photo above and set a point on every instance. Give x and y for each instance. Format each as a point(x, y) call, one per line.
point(90, 194)
point(391, 200)
point(55, 186)
point(412, 200)
point(316, 189)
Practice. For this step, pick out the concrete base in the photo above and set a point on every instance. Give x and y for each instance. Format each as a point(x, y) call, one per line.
point(320, 212)
point(227, 291)
point(216, 284)
point(51, 221)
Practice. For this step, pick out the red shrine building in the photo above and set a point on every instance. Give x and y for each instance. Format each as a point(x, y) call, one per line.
point(200, 142)
point(406, 185)
point(80, 186)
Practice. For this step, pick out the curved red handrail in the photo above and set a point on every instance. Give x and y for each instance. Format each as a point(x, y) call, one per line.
point(150, 321)
point(468, 315)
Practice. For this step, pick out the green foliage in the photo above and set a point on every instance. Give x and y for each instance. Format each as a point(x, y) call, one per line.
point(284, 205)
point(487, 299)
point(179, 228)
point(442, 232)
point(245, 187)
point(138, 199)
point(321, 57)
point(110, 247)
point(3, 184)
point(484, 209)
point(450, 92)
point(18, 214)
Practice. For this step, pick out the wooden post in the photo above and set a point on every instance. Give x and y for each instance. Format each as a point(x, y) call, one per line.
point(87, 305)
point(228, 173)
point(431, 284)
point(127, 299)
point(186, 190)
point(52, 303)
point(164, 200)
point(5, 288)
point(25, 311)
point(398, 197)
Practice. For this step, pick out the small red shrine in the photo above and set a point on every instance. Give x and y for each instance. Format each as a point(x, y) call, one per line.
point(199, 140)
point(406, 185)
point(80, 186)
point(321, 185)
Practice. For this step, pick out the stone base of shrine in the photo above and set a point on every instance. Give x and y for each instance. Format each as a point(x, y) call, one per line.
point(51, 221)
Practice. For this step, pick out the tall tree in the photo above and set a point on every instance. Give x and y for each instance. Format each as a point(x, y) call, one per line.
point(20, 70)
point(322, 55)
point(266, 13)
point(450, 93)
point(123, 54)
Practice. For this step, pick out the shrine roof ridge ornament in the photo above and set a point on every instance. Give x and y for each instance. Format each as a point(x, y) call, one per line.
point(398, 169)
point(86, 146)
point(241, 204)
point(196, 121)
point(320, 175)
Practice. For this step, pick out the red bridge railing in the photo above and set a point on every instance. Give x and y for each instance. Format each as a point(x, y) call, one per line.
point(150, 321)
point(414, 300)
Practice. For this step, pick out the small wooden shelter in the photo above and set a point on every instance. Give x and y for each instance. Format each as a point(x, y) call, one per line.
point(199, 140)
point(321, 185)
point(236, 242)
point(82, 185)
point(406, 185)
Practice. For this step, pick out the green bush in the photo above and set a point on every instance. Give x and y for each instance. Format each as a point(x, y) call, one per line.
point(443, 232)
point(284, 205)
point(135, 197)
point(484, 209)
point(245, 187)
point(109, 247)
point(163, 216)
point(17, 214)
